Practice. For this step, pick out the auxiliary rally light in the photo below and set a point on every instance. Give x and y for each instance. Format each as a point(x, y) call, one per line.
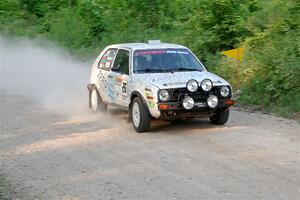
point(212, 101)
point(188, 102)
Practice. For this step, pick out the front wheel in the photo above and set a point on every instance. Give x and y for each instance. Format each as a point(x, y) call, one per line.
point(220, 118)
point(96, 103)
point(140, 116)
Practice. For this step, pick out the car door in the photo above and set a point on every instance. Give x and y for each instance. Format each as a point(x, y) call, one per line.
point(104, 85)
point(119, 75)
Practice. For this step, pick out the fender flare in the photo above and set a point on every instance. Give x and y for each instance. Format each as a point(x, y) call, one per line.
point(137, 94)
point(90, 86)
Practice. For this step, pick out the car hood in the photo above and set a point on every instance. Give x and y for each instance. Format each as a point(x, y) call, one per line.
point(179, 79)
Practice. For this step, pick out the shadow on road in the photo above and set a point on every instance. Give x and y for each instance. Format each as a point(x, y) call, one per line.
point(181, 125)
point(171, 127)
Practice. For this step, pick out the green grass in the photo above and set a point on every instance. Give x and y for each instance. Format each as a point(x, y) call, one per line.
point(287, 106)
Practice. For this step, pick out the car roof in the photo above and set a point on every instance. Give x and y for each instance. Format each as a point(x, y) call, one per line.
point(149, 45)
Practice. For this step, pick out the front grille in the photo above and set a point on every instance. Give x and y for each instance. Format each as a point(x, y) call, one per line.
point(177, 94)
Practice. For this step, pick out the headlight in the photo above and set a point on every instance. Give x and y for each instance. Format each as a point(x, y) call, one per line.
point(192, 85)
point(188, 102)
point(206, 85)
point(163, 95)
point(212, 101)
point(224, 91)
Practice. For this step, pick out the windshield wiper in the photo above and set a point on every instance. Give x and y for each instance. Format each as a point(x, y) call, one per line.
point(186, 69)
point(149, 70)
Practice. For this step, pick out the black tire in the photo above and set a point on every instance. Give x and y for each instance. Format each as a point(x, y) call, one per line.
point(100, 105)
point(145, 117)
point(220, 118)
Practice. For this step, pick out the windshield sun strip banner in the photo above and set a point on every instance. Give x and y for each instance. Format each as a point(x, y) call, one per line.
point(160, 51)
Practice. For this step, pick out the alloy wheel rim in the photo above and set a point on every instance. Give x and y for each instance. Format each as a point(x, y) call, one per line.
point(136, 118)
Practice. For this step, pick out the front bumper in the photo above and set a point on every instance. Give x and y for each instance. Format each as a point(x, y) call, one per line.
point(173, 107)
point(170, 110)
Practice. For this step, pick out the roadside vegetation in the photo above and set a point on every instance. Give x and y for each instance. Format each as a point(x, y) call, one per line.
point(269, 76)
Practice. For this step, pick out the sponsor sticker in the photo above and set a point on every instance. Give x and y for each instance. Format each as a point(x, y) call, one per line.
point(200, 104)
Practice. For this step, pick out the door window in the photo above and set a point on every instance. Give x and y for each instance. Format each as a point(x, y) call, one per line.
point(107, 59)
point(121, 63)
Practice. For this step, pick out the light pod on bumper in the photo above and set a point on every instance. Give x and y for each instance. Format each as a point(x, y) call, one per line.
point(224, 91)
point(188, 102)
point(192, 85)
point(206, 85)
point(212, 101)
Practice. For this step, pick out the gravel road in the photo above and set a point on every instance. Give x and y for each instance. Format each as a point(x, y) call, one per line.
point(46, 155)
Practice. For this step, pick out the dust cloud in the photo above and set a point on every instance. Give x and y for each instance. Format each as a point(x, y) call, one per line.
point(45, 74)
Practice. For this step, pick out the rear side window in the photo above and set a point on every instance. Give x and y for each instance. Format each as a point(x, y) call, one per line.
point(107, 59)
point(121, 63)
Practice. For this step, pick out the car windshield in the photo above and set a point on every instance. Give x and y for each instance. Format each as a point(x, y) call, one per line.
point(165, 60)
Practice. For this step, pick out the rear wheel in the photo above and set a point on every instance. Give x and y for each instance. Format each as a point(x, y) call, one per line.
point(96, 103)
point(220, 118)
point(140, 116)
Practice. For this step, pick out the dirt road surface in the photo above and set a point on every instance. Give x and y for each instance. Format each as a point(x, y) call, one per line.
point(47, 155)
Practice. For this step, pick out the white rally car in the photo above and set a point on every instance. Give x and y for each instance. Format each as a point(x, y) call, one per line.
point(157, 80)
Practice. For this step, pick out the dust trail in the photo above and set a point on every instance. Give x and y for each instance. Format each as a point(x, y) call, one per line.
point(47, 75)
